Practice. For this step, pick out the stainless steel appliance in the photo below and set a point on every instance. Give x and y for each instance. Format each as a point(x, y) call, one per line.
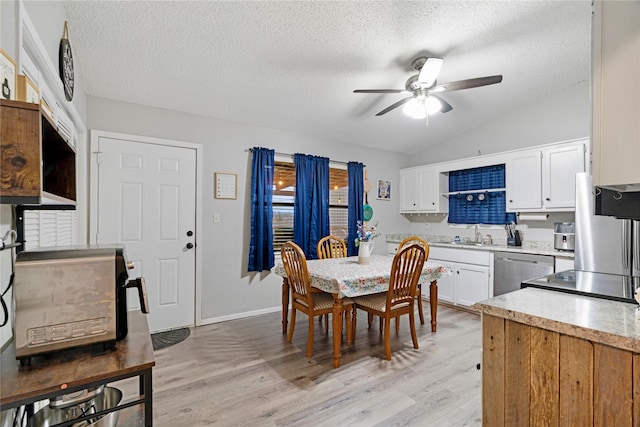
point(597, 285)
point(84, 403)
point(71, 297)
point(511, 269)
point(603, 244)
point(564, 237)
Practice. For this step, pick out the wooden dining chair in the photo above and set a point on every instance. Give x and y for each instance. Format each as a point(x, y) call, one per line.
point(304, 299)
point(400, 298)
point(408, 241)
point(331, 247)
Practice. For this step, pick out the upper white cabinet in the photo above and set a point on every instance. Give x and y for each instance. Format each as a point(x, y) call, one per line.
point(559, 168)
point(409, 190)
point(523, 174)
point(616, 93)
point(537, 179)
point(421, 190)
point(544, 179)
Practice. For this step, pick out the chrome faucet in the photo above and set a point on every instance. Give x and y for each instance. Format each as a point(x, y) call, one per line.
point(478, 234)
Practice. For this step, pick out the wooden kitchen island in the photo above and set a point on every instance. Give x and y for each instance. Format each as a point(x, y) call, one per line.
point(73, 370)
point(556, 359)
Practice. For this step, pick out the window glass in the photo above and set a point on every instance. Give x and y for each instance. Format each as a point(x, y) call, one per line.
point(284, 190)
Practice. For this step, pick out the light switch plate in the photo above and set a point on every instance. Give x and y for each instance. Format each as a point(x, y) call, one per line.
point(216, 217)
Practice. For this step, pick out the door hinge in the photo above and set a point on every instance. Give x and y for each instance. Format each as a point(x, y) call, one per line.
point(97, 153)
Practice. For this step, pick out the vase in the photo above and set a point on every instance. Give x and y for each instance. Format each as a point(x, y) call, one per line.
point(364, 252)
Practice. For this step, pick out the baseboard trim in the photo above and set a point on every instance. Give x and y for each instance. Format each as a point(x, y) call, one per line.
point(246, 314)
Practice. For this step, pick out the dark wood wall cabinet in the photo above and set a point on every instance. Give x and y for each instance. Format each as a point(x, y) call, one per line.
point(37, 164)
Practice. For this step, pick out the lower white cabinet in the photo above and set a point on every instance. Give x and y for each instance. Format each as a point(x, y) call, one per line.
point(447, 285)
point(472, 284)
point(471, 278)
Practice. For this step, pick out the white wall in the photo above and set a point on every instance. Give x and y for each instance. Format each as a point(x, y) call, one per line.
point(227, 289)
point(48, 18)
point(554, 118)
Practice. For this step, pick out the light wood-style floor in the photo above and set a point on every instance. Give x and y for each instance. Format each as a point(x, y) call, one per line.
point(245, 373)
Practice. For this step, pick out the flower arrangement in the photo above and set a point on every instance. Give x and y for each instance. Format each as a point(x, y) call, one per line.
point(366, 234)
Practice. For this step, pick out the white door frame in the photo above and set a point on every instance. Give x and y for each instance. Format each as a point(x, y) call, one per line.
point(93, 196)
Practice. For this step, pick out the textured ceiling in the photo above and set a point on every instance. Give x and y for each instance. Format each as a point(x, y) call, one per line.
point(294, 65)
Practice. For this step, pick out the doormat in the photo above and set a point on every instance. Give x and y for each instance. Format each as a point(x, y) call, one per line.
point(166, 339)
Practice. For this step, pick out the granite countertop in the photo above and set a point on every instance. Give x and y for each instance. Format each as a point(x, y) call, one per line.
point(528, 247)
point(603, 321)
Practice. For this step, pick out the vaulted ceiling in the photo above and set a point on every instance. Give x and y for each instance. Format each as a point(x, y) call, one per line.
point(293, 65)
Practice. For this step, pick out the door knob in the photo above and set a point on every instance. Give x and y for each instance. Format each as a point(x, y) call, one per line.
point(189, 245)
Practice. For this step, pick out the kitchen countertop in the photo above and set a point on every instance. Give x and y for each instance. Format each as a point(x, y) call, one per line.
point(607, 322)
point(528, 247)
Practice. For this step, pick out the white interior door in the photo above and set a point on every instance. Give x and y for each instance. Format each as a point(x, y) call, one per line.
point(146, 201)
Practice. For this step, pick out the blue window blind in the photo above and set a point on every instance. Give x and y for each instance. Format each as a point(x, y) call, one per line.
point(480, 207)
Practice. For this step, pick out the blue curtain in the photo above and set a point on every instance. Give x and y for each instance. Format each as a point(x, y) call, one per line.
point(311, 202)
point(468, 208)
point(356, 191)
point(261, 245)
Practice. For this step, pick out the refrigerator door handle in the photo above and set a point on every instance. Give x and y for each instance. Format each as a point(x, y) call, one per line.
point(636, 246)
point(626, 243)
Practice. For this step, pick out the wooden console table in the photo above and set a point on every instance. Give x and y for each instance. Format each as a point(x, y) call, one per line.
point(73, 370)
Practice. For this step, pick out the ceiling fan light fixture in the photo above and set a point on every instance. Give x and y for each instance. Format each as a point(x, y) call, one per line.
point(421, 106)
point(432, 105)
point(415, 109)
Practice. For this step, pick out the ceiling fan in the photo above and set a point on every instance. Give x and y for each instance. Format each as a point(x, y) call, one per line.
point(422, 87)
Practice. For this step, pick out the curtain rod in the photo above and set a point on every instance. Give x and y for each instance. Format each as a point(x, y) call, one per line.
point(291, 155)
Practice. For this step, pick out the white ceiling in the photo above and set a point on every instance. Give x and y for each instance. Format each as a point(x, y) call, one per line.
point(294, 65)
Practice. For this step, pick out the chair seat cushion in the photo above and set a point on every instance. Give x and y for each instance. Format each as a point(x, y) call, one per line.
point(377, 302)
point(324, 301)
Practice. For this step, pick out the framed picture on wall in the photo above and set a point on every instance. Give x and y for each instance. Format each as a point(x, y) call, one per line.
point(7, 76)
point(384, 189)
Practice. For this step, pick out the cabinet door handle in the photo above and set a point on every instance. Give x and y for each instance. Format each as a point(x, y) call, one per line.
point(510, 201)
point(548, 199)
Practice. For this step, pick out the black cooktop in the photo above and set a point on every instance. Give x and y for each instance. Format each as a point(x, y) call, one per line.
point(597, 285)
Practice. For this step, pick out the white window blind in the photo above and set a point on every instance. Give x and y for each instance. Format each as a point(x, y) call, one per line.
point(44, 228)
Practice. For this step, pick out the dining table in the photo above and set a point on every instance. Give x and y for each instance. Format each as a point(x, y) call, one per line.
point(345, 277)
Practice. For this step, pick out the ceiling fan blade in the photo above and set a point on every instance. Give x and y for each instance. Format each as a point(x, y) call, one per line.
point(467, 84)
point(392, 106)
point(379, 91)
point(446, 107)
point(429, 72)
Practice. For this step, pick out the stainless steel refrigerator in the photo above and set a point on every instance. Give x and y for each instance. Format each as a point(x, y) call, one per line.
point(603, 244)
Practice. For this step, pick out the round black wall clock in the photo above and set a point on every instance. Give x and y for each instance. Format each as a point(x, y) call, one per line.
point(65, 61)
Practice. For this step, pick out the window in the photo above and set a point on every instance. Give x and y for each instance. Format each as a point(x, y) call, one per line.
point(284, 189)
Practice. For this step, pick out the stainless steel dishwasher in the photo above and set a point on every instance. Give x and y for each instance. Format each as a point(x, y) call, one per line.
point(511, 269)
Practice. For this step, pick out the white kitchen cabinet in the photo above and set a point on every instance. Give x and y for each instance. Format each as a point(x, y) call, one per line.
point(472, 284)
point(616, 94)
point(447, 285)
point(409, 186)
point(471, 275)
point(432, 185)
point(543, 179)
point(523, 175)
point(559, 168)
point(421, 190)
